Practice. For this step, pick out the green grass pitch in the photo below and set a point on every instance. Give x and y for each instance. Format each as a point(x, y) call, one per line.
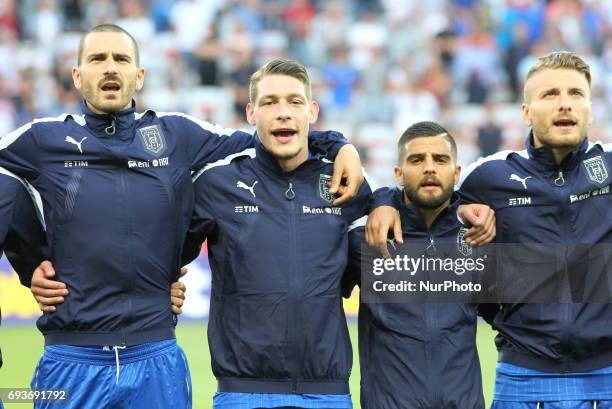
point(22, 346)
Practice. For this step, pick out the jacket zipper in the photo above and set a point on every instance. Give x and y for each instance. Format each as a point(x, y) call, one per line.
point(130, 267)
point(559, 182)
point(432, 324)
point(110, 130)
point(294, 358)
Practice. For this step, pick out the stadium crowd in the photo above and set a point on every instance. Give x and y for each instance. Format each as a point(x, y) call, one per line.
point(377, 65)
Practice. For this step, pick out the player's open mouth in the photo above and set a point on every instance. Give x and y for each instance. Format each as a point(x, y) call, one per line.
point(284, 135)
point(111, 87)
point(564, 123)
point(430, 184)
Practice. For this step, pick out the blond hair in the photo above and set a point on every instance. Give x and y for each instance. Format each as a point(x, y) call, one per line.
point(561, 59)
point(280, 66)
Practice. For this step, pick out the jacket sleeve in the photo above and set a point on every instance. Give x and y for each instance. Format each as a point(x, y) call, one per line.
point(25, 246)
point(472, 187)
point(203, 223)
point(21, 234)
point(352, 273)
point(488, 300)
point(386, 196)
point(359, 206)
point(326, 143)
point(19, 152)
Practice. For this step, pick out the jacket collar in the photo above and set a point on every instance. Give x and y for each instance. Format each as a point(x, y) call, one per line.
point(413, 221)
point(544, 156)
point(110, 125)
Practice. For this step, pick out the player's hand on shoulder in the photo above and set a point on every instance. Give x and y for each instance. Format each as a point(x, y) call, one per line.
point(47, 291)
point(481, 218)
point(382, 221)
point(348, 175)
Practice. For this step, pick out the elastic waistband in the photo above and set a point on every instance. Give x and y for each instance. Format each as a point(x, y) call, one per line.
point(285, 386)
point(566, 364)
point(101, 338)
point(107, 355)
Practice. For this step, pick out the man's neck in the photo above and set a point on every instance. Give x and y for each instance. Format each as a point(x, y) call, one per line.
point(100, 112)
point(558, 153)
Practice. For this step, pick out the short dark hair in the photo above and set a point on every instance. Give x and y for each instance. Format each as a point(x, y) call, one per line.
point(424, 129)
point(280, 66)
point(107, 28)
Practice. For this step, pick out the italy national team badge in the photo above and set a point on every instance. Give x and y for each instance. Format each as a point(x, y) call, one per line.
point(596, 169)
point(153, 139)
point(324, 188)
point(462, 246)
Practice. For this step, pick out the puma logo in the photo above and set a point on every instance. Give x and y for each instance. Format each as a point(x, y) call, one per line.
point(519, 179)
point(243, 185)
point(71, 140)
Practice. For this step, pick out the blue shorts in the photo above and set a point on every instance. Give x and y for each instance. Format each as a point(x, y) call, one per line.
point(232, 400)
point(148, 376)
point(515, 383)
point(565, 404)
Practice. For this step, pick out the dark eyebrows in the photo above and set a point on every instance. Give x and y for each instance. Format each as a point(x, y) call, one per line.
point(96, 55)
point(441, 156)
point(422, 155)
point(549, 90)
point(103, 56)
point(126, 57)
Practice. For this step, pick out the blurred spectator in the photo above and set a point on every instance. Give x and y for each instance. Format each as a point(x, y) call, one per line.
point(135, 20)
point(515, 53)
point(73, 11)
point(238, 80)
point(364, 37)
point(489, 133)
point(208, 54)
point(330, 26)
point(248, 13)
point(100, 12)
point(160, 14)
point(8, 18)
point(190, 20)
point(46, 22)
point(341, 78)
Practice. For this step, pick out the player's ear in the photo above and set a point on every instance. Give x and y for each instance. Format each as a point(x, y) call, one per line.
point(526, 117)
point(314, 112)
point(76, 78)
point(140, 79)
point(250, 114)
point(457, 174)
point(399, 176)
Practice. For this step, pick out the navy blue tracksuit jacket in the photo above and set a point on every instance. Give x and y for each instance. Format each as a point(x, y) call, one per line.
point(117, 200)
point(418, 355)
point(565, 212)
point(277, 250)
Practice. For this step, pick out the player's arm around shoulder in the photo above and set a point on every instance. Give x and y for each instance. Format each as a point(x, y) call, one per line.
point(476, 209)
point(204, 142)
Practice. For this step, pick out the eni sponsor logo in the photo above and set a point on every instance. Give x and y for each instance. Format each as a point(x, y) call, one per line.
point(593, 193)
point(155, 163)
point(322, 210)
